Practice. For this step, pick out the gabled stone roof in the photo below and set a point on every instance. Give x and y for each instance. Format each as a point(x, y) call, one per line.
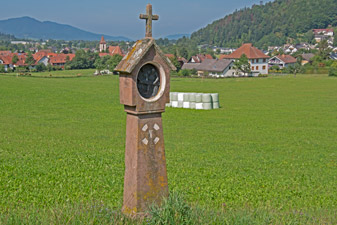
point(138, 51)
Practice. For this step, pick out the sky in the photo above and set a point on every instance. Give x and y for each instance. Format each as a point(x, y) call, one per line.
point(121, 17)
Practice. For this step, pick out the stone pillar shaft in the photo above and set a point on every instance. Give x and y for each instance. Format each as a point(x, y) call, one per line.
point(145, 180)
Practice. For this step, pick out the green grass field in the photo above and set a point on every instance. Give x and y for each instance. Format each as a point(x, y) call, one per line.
point(271, 149)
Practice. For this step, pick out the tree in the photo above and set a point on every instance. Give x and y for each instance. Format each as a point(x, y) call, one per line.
point(335, 38)
point(82, 60)
point(175, 62)
point(323, 49)
point(15, 59)
point(242, 64)
point(30, 60)
point(114, 61)
point(185, 72)
point(2, 69)
point(295, 69)
point(183, 53)
point(41, 67)
point(333, 69)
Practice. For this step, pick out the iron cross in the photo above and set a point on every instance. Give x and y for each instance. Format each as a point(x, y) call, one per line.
point(148, 17)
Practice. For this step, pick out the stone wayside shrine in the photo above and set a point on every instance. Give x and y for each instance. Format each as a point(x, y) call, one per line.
point(144, 83)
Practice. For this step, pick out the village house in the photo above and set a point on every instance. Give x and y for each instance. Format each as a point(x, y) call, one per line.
point(323, 34)
point(282, 61)
point(44, 56)
point(306, 58)
point(61, 59)
point(41, 59)
point(199, 58)
point(6, 60)
point(256, 58)
point(213, 68)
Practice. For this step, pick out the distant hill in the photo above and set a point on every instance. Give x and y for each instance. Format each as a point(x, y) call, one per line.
point(7, 37)
point(271, 24)
point(177, 36)
point(27, 27)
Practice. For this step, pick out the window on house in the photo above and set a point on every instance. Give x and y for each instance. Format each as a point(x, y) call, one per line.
point(252, 67)
point(264, 60)
point(257, 68)
point(263, 67)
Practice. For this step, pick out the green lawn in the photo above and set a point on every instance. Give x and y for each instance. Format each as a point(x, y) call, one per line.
point(272, 147)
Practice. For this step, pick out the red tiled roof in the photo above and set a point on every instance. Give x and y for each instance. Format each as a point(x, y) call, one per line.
point(5, 52)
point(115, 50)
point(7, 59)
point(101, 54)
point(169, 55)
point(317, 31)
point(38, 57)
point(182, 59)
point(50, 55)
point(287, 58)
point(102, 40)
point(205, 56)
point(249, 50)
point(61, 58)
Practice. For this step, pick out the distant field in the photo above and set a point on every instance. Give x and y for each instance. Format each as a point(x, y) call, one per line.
point(271, 147)
point(55, 74)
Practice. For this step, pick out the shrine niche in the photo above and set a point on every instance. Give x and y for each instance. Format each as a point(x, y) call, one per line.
point(144, 83)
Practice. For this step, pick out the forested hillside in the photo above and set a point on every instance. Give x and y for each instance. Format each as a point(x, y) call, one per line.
point(271, 24)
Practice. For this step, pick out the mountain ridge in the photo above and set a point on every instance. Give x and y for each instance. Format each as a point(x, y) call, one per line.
point(31, 28)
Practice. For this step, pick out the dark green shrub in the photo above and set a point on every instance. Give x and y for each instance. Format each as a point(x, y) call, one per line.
point(333, 72)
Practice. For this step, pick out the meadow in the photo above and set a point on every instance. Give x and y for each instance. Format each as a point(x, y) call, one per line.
point(268, 155)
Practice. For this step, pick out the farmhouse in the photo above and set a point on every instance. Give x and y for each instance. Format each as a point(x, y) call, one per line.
point(282, 61)
point(213, 67)
point(257, 59)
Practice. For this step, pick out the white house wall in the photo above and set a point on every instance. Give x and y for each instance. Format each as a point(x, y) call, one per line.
point(260, 64)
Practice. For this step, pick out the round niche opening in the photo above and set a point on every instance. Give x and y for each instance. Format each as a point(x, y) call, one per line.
point(148, 81)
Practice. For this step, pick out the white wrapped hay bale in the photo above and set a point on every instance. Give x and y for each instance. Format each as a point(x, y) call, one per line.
point(215, 97)
point(174, 104)
point(198, 98)
point(186, 97)
point(180, 97)
point(186, 105)
point(193, 97)
point(199, 106)
point(206, 98)
point(207, 106)
point(216, 105)
point(215, 100)
point(174, 96)
point(180, 104)
point(192, 105)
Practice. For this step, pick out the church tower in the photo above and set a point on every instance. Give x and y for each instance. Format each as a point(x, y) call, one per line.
point(102, 45)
